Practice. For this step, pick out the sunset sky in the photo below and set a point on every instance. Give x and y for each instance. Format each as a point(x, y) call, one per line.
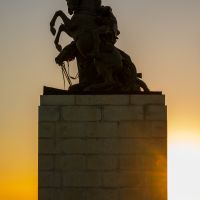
point(163, 39)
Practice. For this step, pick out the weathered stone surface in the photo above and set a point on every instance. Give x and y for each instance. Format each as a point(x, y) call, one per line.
point(154, 112)
point(143, 146)
point(47, 146)
point(49, 179)
point(86, 129)
point(47, 129)
point(133, 179)
point(123, 113)
point(46, 162)
point(102, 100)
point(104, 162)
point(81, 113)
point(56, 100)
point(48, 193)
point(160, 194)
point(133, 193)
point(71, 129)
point(100, 150)
point(143, 193)
point(112, 146)
point(147, 99)
point(102, 146)
point(70, 162)
point(89, 146)
point(73, 146)
point(143, 129)
point(102, 194)
point(122, 179)
point(73, 194)
point(143, 162)
point(95, 146)
point(101, 130)
point(82, 179)
point(49, 113)
point(158, 128)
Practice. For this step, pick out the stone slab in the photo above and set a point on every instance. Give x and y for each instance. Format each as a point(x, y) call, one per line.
point(86, 129)
point(156, 112)
point(147, 99)
point(47, 129)
point(142, 129)
point(57, 100)
point(123, 113)
point(81, 113)
point(102, 100)
point(49, 114)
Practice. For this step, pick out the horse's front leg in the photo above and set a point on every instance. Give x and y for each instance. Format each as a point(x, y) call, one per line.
point(62, 15)
point(56, 42)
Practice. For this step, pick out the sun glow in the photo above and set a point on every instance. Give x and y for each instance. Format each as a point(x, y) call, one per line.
point(184, 166)
point(18, 186)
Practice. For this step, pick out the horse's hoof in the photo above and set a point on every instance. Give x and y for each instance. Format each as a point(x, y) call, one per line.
point(53, 30)
point(59, 48)
point(58, 61)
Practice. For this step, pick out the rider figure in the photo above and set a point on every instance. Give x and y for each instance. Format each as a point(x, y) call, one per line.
point(107, 30)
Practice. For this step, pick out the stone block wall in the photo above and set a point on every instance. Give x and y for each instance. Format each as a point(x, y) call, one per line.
point(103, 147)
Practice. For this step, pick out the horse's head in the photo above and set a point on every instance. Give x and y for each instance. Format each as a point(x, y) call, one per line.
point(72, 5)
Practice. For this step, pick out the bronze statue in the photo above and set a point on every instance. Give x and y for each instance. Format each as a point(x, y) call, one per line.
point(101, 66)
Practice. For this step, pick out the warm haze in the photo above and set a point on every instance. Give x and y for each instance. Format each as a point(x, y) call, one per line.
point(163, 39)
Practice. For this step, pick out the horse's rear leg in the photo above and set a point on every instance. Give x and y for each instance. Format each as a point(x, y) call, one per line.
point(107, 85)
point(142, 85)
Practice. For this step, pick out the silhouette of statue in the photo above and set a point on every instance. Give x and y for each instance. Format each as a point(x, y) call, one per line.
point(101, 65)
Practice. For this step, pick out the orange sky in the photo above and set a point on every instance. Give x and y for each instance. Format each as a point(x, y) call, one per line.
point(163, 39)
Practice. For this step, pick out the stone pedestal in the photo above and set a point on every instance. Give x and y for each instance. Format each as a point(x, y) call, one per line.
point(103, 147)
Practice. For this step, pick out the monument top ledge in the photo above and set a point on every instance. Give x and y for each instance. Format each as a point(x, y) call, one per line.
point(55, 91)
point(61, 99)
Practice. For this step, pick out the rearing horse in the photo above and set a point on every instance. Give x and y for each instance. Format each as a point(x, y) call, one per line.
point(84, 29)
point(80, 26)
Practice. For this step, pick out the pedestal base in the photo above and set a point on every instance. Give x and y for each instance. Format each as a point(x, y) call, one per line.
point(103, 147)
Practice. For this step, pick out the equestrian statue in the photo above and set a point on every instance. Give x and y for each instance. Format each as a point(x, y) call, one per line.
point(102, 67)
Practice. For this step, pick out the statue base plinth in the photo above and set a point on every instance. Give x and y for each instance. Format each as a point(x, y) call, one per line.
point(102, 147)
